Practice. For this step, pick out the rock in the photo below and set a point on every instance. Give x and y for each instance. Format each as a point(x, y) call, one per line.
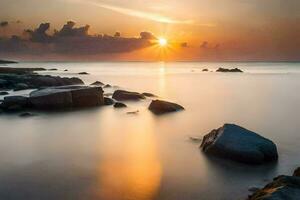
point(21, 86)
point(133, 112)
point(67, 97)
point(239, 144)
point(14, 103)
point(119, 105)
point(297, 172)
point(52, 69)
point(195, 139)
point(220, 69)
point(107, 86)
point(123, 95)
point(108, 101)
point(281, 188)
point(160, 107)
point(205, 70)
point(66, 70)
point(4, 93)
point(83, 73)
point(14, 70)
point(7, 62)
point(147, 94)
point(26, 114)
point(98, 83)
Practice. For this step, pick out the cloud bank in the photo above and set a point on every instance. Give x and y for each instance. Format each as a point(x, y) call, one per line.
point(71, 40)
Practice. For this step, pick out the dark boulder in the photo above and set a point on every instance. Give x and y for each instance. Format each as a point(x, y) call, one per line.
point(13, 70)
point(160, 107)
point(66, 70)
point(119, 105)
point(98, 83)
point(108, 101)
point(107, 86)
point(67, 97)
point(239, 144)
point(228, 70)
point(123, 95)
point(281, 188)
point(21, 86)
point(14, 103)
point(205, 70)
point(52, 69)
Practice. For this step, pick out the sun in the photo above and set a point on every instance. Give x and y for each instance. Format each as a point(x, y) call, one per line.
point(162, 42)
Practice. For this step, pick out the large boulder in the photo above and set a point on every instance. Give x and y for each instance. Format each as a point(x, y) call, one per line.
point(160, 107)
point(239, 144)
point(281, 188)
point(66, 97)
point(14, 103)
point(123, 95)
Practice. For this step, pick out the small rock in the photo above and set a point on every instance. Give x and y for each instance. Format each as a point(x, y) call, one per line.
point(147, 94)
point(297, 172)
point(123, 95)
point(26, 114)
point(205, 70)
point(98, 83)
point(52, 69)
point(195, 139)
point(83, 73)
point(133, 112)
point(161, 107)
point(119, 105)
point(4, 93)
point(107, 86)
point(66, 70)
point(108, 101)
point(228, 70)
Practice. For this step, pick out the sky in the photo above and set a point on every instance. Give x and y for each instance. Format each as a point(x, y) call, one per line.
point(208, 30)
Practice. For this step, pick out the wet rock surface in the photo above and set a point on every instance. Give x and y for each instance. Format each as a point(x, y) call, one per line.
point(239, 144)
point(161, 107)
point(123, 95)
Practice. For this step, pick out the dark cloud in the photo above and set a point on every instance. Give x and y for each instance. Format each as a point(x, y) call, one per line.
point(147, 36)
point(4, 24)
point(70, 40)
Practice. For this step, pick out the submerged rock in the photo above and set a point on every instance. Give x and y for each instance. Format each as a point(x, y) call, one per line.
point(4, 93)
point(26, 114)
point(107, 86)
point(123, 95)
point(160, 107)
point(97, 83)
point(281, 188)
point(133, 112)
point(83, 73)
point(228, 70)
point(147, 94)
point(66, 97)
point(108, 101)
point(239, 144)
point(119, 105)
point(52, 69)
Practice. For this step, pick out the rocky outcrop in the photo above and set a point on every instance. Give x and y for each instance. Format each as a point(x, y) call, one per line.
point(66, 97)
point(281, 188)
point(239, 144)
point(14, 103)
point(33, 81)
point(119, 105)
point(160, 107)
point(228, 70)
point(14, 70)
point(123, 95)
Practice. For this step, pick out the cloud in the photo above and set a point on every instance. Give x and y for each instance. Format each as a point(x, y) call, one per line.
point(4, 24)
point(138, 13)
point(70, 40)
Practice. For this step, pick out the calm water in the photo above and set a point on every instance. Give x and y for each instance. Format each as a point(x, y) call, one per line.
point(106, 154)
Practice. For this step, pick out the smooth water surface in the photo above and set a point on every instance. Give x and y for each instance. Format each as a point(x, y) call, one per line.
point(104, 153)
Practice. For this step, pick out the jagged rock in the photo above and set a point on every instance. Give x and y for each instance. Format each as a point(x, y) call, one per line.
point(67, 97)
point(160, 107)
point(119, 105)
point(239, 144)
point(281, 188)
point(123, 95)
point(228, 70)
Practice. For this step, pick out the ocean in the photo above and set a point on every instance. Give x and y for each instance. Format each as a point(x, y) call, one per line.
point(104, 153)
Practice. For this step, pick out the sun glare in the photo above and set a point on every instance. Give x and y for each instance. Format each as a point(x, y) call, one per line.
point(162, 42)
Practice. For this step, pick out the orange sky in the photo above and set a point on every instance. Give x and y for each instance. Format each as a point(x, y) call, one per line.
point(212, 29)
